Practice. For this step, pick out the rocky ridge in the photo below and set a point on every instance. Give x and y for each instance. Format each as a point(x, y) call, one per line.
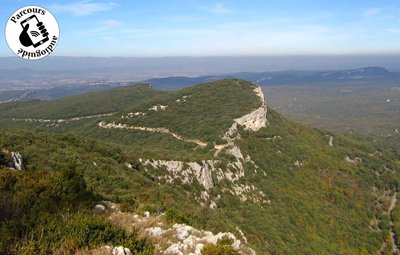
point(233, 171)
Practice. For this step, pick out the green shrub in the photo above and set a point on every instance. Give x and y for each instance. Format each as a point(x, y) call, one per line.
point(223, 247)
point(3, 159)
point(176, 216)
point(69, 188)
point(33, 222)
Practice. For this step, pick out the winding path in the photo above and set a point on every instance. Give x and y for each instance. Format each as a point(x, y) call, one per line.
point(64, 120)
point(149, 129)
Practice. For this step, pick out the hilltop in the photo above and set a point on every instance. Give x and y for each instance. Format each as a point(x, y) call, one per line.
point(214, 157)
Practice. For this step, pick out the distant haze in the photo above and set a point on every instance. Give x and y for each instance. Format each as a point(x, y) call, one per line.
point(18, 74)
point(175, 66)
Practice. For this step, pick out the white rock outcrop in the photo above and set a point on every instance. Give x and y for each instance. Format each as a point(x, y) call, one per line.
point(257, 119)
point(356, 160)
point(100, 208)
point(249, 192)
point(203, 172)
point(120, 250)
point(252, 121)
point(158, 107)
point(175, 239)
point(187, 171)
point(17, 163)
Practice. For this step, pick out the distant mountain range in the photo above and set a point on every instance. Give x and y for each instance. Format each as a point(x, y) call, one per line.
point(366, 76)
point(361, 76)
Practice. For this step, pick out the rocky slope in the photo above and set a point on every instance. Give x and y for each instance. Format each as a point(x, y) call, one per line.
point(203, 171)
point(178, 239)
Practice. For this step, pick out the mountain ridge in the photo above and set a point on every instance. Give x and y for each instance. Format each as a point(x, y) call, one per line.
point(372, 75)
point(287, 187)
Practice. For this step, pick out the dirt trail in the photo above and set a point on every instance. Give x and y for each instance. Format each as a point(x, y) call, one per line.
point(149, 129)
point(64, 120)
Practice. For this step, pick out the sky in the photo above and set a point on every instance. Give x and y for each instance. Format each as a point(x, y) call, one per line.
point(131, 28)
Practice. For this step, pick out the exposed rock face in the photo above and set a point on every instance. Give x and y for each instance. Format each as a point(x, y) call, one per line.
point(203, 171)
point(257, 119)
point(188, 240)
point(17, 163)
point(192, 241)
point(100, 208)
point(179, 239)
point(121, 251)
point(187, 171)
point(253, 121)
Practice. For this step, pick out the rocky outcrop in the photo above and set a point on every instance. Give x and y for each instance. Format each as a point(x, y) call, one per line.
point(257, 119)
point(249, 193)
point(201, 171)
point(178, 239)
point(253, 121)
point(186, 171)
point(133, 115)
point(188, 240)
point(120, 250)
point(99, 208)
point(356, 160)
point(17, 163)
point(12, 160)
point(158, 107)
point(183, 99)
point(330, 141)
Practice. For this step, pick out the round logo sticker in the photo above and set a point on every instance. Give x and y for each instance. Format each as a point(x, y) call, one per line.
point(32, 32)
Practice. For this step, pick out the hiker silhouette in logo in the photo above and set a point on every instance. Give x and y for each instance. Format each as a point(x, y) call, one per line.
point(33, 33)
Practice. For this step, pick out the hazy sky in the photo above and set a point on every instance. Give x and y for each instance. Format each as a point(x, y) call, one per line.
point(206, 28)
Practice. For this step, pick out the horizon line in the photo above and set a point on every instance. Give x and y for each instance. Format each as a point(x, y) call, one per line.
point(230, 56)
